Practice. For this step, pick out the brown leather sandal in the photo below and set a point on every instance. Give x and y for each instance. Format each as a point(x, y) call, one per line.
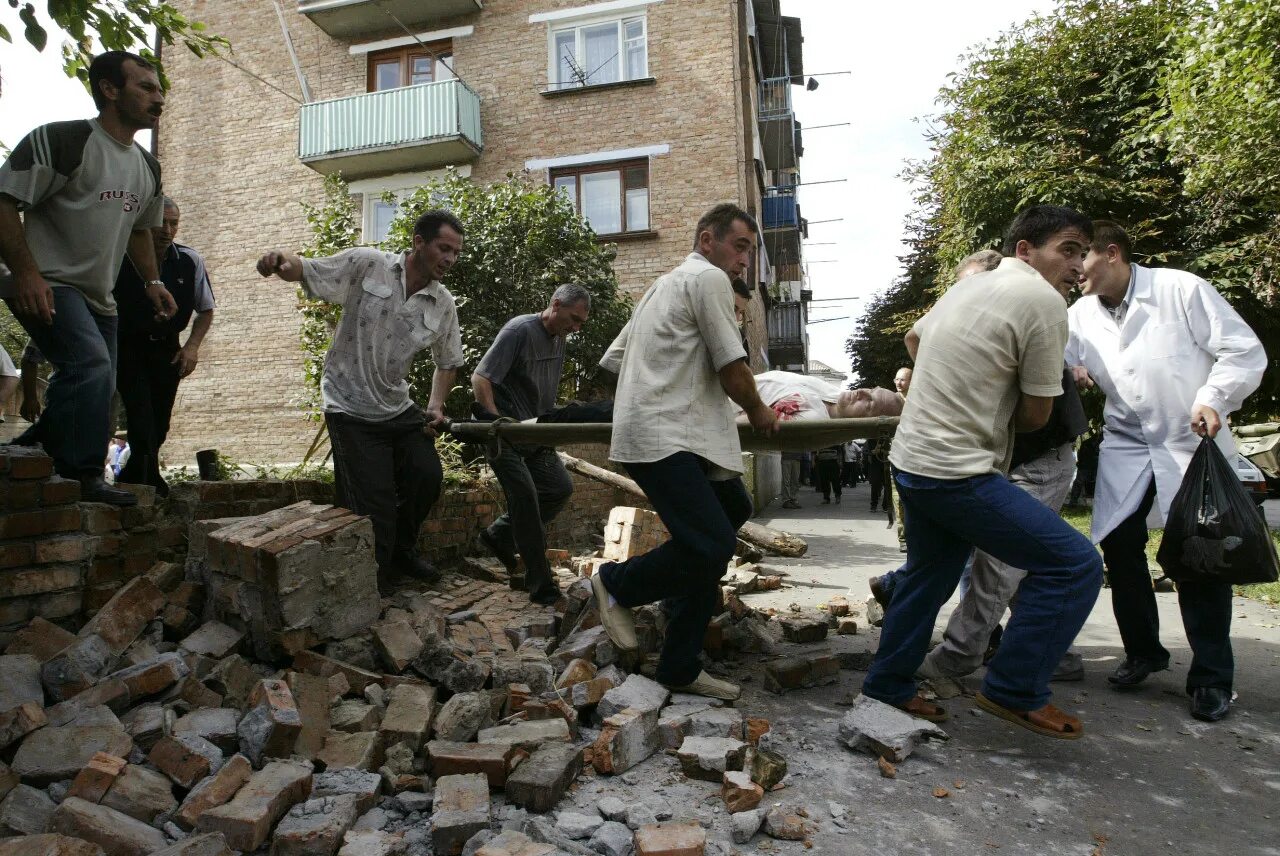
point(923, 709)
point(1048, 720)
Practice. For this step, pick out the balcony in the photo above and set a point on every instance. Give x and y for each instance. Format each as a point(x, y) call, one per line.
point(778, 129)
point(397, 130)
point(785, 324)
point(783, 225)
point(344, 19)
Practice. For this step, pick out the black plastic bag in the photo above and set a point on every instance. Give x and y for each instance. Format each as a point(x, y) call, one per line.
point(1215, 532)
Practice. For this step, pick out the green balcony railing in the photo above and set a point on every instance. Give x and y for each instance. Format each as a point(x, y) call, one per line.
point(423, 126)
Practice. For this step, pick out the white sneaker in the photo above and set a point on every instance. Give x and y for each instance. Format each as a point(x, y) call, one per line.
point(617, 620)
point(705, 685)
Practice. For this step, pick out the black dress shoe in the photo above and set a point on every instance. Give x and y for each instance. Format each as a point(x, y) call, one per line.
point(94, 489)
point(1210, 703)
point(506, 557)
point(419, 570)
point(1135, 670)
point(546, 596)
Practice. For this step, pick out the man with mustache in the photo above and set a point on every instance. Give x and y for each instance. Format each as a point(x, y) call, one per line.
point(385, 462)
point(88, 179)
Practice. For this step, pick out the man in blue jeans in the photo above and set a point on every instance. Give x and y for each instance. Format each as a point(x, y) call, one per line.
point(679, 361)
point(88, 194)
point(988, 360)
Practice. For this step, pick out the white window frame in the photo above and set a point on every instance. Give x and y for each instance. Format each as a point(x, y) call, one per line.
point(401, 185)
point(577, 26)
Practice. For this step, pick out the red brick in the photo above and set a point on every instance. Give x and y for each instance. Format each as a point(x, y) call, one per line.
point(26, 524)
point(25, 582)
point(247, 819)
point(66, 548)
point(177, 761)
point(13, 555)
point(59, 491)
point(105, 570)
point(671, 839)
point(30, 466)
point(215, 791)
point(41, 639)
point(493, 760)
point(20, 496)
point(96, 778)
point(121, 620)
point(99, 518)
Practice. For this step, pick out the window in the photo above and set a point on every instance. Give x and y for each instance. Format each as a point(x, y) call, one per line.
point(410, 65)
point(379, 218)
point(601, 52)
point(612, 198)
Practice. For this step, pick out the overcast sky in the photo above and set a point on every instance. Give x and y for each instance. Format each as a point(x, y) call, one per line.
point(899, 54)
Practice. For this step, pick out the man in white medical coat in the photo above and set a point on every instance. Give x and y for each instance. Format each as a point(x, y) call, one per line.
point(1174, 359)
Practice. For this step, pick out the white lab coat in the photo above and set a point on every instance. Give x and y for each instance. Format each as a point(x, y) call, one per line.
point(1181, 345)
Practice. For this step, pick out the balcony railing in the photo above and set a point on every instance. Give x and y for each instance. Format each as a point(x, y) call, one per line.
point(779, 208)
point(412, 127)
point(777, 123)
point(346, 18)
point(785, 324)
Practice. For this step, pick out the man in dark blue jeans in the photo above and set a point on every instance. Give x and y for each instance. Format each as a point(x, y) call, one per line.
point(679, 361)
point(988, 361)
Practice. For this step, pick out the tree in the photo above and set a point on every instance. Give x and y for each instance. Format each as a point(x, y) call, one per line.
point(522, 239)
point(1082, 108)
point(124, 25)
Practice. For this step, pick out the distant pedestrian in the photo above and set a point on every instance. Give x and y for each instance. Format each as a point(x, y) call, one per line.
point(829, 461)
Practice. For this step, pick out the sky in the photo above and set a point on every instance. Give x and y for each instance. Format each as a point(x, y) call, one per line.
point(898, 55)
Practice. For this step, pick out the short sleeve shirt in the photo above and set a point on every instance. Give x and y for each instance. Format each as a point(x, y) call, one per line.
point(990, 338)
point(524, 364)
point(381, 331)
point(83, 193)
point(669, 398)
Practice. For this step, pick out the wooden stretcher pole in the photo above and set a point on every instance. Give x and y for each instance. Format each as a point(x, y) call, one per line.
point(771, 540)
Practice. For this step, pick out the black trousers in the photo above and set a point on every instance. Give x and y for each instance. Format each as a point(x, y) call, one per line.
point(537, 488)
point(147, 381)
point(876, 478)
point(1205, 606)
point(391, 472)
point(829, 478)
point(703, 517)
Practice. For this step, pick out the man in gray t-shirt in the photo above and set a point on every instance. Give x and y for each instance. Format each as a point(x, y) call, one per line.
point(87, 193)
point(518, 378)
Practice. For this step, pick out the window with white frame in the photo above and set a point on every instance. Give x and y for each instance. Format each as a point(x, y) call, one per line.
point(599, 52)
point(380, 209)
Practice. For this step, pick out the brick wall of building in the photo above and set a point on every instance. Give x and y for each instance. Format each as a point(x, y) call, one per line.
point(228, 143)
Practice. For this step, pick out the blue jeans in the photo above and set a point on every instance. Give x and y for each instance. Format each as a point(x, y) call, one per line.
point(889, 582)
point(75, 425)
point(703, 517)
point(948, 519)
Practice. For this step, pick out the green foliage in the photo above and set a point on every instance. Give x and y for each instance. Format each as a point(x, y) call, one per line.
point(124, 25)
point(522, 240)
point(1161, 114)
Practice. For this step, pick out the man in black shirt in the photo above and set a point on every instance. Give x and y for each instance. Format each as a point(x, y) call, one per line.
point(151, 361)
point(518, 378)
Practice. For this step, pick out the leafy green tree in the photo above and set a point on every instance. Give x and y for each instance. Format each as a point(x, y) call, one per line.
point(124, 25)
point(1081, 107)
point(522, 240)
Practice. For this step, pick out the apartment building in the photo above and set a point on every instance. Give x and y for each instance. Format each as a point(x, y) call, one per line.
point(643, 112)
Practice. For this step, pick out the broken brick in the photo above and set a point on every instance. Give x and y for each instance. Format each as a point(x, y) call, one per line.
point(214, 791)
point(96, 777)
point(461, 810)
point(116, 833)
point(671, 839)
point(123, 617)
point(185, 758)
point(247, 819)
point(493, 760)
point(410, 710)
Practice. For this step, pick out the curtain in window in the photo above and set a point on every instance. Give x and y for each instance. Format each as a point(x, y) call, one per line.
point(600, 53)
point(565, 47)
point(637, 196)
point(601, 201)
point(636, 52)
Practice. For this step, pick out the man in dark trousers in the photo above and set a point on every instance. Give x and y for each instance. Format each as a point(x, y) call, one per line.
point(385, 462)
point(87, 194)
point(680, 362)
point(829, 461)
point(518, 378)
point(152, 362)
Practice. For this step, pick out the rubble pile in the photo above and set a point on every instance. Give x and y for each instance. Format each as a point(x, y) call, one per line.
point(265, 696)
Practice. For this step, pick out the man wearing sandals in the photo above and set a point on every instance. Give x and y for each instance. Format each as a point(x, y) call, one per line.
point(1174, 359)
point(988, 360)
point(679, 361)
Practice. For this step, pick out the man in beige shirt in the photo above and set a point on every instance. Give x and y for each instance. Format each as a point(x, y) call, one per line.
point(988, 360)
point(679, 361)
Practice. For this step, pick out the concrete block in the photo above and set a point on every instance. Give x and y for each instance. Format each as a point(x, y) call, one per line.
point(271, 727)
point(785, 824)
point(612, 839)
point(363, 786)
point(145, 724)
point(708, 758)
point(397, 644)
point(462, 716)
point(744, 825)
point(637, 692)
point(50, 844)
point(372, 842)
point(75, 668)
point(810, 670)
point(19, 681)
point(213, 639)
point(804, 629)
point(215, 724)
point(739, 792)
point(19, 722)
point(210, 844)
point(884, 730)
point(512, 843)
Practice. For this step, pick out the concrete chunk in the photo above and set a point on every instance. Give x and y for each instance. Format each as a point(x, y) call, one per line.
point(213, 639)
point(116, 833)
point(671, 839)
point(272, 726)
point(461, 810)
point(708, 758)
point(215, 724)
point(884, 730)
point(359, 751)
point(247, 819)
point(512, 843)
point(636, 691)
point(528, 735)
point(19, 681)
point(25, 811)
point(364, 786)
point(397, 643)
point(21, 721)
point(372, 842)
point(462, 716)
point(153, 676)
point(627, 739)
point(75, 668)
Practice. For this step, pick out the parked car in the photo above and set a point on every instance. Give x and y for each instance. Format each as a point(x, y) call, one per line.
point(1252, 479)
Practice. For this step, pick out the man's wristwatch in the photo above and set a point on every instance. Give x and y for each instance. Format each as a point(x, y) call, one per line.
point(152, 282)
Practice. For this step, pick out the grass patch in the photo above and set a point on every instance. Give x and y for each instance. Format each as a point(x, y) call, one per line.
point(1268, 593)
